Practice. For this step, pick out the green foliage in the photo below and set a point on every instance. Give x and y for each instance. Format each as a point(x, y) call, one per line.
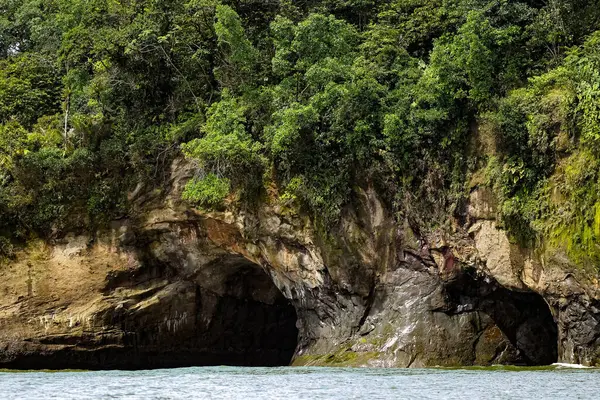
point(29, 89)
point(226, 151)
point(208, 192)
point(98, 96)
point(328, 106)
point(419, 22)
point(226, 148)
point(13, 139)
point(548, 178)
point(585, 63)
point(317, 38)
point(572, 221)
point(239, 56)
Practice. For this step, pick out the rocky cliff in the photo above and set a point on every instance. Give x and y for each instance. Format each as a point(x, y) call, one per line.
point(173, 286)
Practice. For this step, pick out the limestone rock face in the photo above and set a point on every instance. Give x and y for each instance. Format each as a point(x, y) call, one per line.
point(173, 286)
point(570, 292)
point(106, 307)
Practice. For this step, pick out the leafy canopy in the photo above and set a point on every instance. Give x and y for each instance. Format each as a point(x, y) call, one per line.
point(418, 98)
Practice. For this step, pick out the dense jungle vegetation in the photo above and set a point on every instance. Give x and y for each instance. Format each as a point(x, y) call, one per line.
point(422, 98)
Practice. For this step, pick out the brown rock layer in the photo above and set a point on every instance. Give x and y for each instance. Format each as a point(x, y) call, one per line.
point(175, 286)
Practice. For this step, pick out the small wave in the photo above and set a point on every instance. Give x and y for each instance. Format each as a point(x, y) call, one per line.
point(566, 365)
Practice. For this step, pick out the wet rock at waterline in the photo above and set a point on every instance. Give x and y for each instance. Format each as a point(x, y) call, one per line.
point(173, 286)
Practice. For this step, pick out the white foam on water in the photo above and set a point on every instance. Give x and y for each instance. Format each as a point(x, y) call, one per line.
point(566, 365)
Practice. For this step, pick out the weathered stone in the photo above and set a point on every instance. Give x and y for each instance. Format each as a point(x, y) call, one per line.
point(482, 204)
point(176, 286)
point(501, 259)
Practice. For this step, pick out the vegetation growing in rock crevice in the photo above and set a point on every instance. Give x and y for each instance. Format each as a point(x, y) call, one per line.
point(97, 95)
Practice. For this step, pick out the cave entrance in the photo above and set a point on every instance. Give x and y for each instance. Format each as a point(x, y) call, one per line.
point(526, 320)
point(522, 316)
point(242, 317)
point(227, 313)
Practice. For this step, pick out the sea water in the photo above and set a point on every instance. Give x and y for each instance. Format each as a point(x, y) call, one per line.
point(556, 382)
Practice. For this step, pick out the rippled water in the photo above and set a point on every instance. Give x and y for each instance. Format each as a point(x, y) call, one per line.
point(305, 383)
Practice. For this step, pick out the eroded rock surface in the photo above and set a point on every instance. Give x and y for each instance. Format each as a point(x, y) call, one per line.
point(174, 286)
point(104, 307)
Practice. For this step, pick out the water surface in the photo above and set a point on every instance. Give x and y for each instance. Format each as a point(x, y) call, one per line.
point(306, 383)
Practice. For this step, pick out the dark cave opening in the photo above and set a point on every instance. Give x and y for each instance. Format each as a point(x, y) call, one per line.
point(523, 317)
point(229, 313)
point(246, 321)
point(240, 318)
